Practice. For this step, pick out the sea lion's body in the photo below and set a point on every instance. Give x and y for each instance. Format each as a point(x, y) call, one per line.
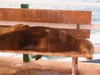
point(37, 37)
point(45, 39)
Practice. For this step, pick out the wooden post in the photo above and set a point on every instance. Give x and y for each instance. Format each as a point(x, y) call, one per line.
point(25, 56)
point(74, 65)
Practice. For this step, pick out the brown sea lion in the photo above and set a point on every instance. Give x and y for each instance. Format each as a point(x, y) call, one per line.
point(12, 28)
point(45, 39)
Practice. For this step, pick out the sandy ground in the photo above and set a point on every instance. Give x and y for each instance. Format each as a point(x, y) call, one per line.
point(15, 66)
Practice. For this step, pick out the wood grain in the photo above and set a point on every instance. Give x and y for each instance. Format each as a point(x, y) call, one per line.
point(41, 15)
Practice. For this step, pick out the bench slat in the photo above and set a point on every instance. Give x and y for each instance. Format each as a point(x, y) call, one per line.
point(69, 54)
point(79, 32)
point(51, 16)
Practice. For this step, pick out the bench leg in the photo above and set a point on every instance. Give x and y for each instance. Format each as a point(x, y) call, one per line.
point(74, 65)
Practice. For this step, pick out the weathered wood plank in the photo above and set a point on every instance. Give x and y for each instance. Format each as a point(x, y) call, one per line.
point(93, 26)
point(69, 54)
point(41, 15)
point(81, 33)
point(74, 65)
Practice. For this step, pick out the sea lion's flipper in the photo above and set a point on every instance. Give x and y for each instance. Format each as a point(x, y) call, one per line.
point(38, 57)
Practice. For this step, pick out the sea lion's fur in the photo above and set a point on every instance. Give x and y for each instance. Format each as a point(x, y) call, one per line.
point(4, 30)
point(45, 39)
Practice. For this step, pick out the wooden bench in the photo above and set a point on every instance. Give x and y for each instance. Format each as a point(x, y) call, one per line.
point(68, 20)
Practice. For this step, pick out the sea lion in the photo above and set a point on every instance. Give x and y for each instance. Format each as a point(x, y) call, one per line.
point(46, 39)
point(4, 30)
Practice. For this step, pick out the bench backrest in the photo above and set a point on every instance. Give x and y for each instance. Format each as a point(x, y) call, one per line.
point(50, 16)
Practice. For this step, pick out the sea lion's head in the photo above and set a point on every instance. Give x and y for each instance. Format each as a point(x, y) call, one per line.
point(86, 48)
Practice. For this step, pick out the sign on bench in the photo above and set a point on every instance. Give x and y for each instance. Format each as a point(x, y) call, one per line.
point(54, 16)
